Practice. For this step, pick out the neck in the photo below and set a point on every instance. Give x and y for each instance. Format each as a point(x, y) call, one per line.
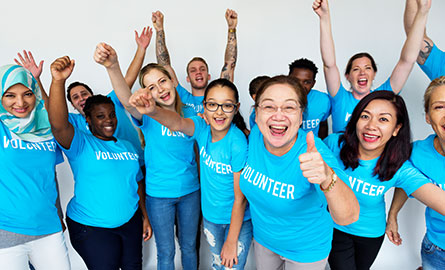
point(218, 135)
point(359, 96)
point(439, 146)
point(197, 92)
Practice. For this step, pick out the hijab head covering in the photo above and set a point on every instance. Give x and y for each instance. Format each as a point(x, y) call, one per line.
point(35, 127)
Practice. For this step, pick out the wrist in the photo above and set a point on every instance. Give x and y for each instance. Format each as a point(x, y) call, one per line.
point(232, 29)
point(329, 183)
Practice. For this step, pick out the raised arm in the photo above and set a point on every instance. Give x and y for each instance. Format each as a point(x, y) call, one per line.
point(231, 53)
point(143, 101)
point(27, 61)
point(327, 48)
point(229, 252)
point(162, 55)
point(142, 42)
point(408, 20)
point(343, 205)
point(392, 227)
point(61, 128)
point(106, 56)
point(411, 48)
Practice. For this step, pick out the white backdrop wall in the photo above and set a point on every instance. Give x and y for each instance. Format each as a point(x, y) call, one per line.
point(271, 34)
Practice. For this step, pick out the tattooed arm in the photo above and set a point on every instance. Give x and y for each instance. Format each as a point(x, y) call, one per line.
point(162, 55)
point(408, 20)
point(231, 53)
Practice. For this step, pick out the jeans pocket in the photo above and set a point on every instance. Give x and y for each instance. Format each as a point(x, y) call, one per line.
point(428, 246)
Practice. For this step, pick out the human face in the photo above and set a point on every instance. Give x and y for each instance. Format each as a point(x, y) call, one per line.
point(361, 76)
point(376, 125)
point(279, 129)
point(219, 120)
point(18, 100)
point(305, 77)
point(436, 114)
point(198, 75)
point(161, 88)
point(103, 121)
point(79, 95)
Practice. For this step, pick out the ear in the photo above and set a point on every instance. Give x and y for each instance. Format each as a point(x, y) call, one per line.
point(396, 130)
point(188, 79)
point(301, 118)
point(427, 118)
point(208, 78)
point(237, 107)
point(312, 85)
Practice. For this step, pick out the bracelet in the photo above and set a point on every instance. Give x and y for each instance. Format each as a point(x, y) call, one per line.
point(232, 30)
point(333, 181)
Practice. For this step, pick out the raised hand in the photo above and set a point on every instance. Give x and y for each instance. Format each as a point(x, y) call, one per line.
point(158, 20)
point(312, 165)
point(27, 61)
point(105, 55)
point(320, 7)
point(62, 68)
point(143, 101)
point(144, 39)
point(231, 18)
point(424, 5)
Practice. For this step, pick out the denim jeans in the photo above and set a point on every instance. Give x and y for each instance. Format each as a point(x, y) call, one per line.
point(162, 213)
point(433, 257)
point(216, 235)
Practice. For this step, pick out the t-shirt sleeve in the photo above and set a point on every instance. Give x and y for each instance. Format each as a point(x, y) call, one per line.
point(144, 122)
point(77, 144)
point(59, 156)
point(239, 150)
point(326, 103)
point(409, 178)
point(340, 93)
point(385, 86)
point(200, 125)
point(329, 158)
point(115, 99)
point(183, 93)
point(434, 66)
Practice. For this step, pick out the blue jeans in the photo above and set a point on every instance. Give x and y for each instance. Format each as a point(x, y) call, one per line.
point(162, 213)
point(216, 235)
point(433, 257)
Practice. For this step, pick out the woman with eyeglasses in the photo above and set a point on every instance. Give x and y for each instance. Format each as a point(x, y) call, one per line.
point(223, 153)
point(172, 186)
point(289, 181)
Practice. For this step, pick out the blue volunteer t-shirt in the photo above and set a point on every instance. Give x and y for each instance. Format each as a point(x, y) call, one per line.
point(124, 129)
point(170, 164)
point(431, 163)
point(289, 214)
point(27, 185)
point(105, 180)
point(218, 161)
point(434, 65)
point(343, 104)
point(190, 100)
point(370, 191)
point(318, 110)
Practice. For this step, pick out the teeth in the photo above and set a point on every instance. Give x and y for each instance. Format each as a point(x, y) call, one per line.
point(278, 127)
point(370, 136)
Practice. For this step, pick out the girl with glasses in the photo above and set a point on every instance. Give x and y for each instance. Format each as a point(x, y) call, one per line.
point(223, 153)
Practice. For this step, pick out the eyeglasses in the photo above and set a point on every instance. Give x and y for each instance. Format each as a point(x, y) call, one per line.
point(226, 107)
point(286, 109)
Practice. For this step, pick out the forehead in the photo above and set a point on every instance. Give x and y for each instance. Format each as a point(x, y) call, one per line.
point(438, 94)
point(17, 89)
point(379, 106)
point(302, 73)
point(361, 61)
point(153, 76)
point(79, 89)
point(279, 93)
point(198, 64)
point(102, 107)
point(221, 93)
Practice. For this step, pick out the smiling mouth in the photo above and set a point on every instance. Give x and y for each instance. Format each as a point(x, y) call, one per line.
point(165, 97)
point(370, 137)
point(220, 120)
point(362, 82)
point(278, 130)
point(20, 110)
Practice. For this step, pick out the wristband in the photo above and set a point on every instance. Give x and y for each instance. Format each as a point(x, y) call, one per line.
point(232, 30)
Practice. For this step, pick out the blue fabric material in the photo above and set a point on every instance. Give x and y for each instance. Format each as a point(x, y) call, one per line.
point(289, 214)
point(252, 118)
point(169, 159)
point(187, 98)
point(370, 191)
point(431, 164)
point(124, 129)
point(344, 103)
point(162, 213)
point(318, 110)
point(218, 160)
point(216, 235)
point(434, 65)
point(27, 185)
point(105, 180)
point(433, 257)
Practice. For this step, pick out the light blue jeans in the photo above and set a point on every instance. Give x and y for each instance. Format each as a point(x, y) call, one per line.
point(162, 213)
point(216, 235)
point(433, 257)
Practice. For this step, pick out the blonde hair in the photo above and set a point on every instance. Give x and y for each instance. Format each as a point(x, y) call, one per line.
point(153, 66)
point(429, 90)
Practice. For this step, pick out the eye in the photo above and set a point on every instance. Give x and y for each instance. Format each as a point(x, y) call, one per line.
point(151, 87)
point(384, 119)
point(289, 109)
point(162, 80)
point(438, 107)
point(29, 94)
point(364, 116)
point(211, 105)
point(228, 106)
point(8, 95)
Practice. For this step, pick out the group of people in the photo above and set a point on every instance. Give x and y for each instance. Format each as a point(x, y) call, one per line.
point(302, 201)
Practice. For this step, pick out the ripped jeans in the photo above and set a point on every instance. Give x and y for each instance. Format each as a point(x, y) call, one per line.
point(216, 234)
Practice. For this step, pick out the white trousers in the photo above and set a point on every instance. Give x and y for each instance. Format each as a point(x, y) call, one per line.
point(48, 253)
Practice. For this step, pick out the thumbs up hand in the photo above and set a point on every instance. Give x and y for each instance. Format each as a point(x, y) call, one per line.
point(313, 166)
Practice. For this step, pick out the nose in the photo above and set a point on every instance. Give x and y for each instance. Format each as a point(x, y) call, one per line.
point(278, 115)
point(19, 101)
point(371, 124)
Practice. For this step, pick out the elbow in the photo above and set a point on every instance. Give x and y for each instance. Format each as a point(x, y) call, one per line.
point(350, 216)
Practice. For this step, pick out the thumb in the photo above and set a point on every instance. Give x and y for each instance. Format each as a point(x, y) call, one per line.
point(40, 64)
point(310, 142)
